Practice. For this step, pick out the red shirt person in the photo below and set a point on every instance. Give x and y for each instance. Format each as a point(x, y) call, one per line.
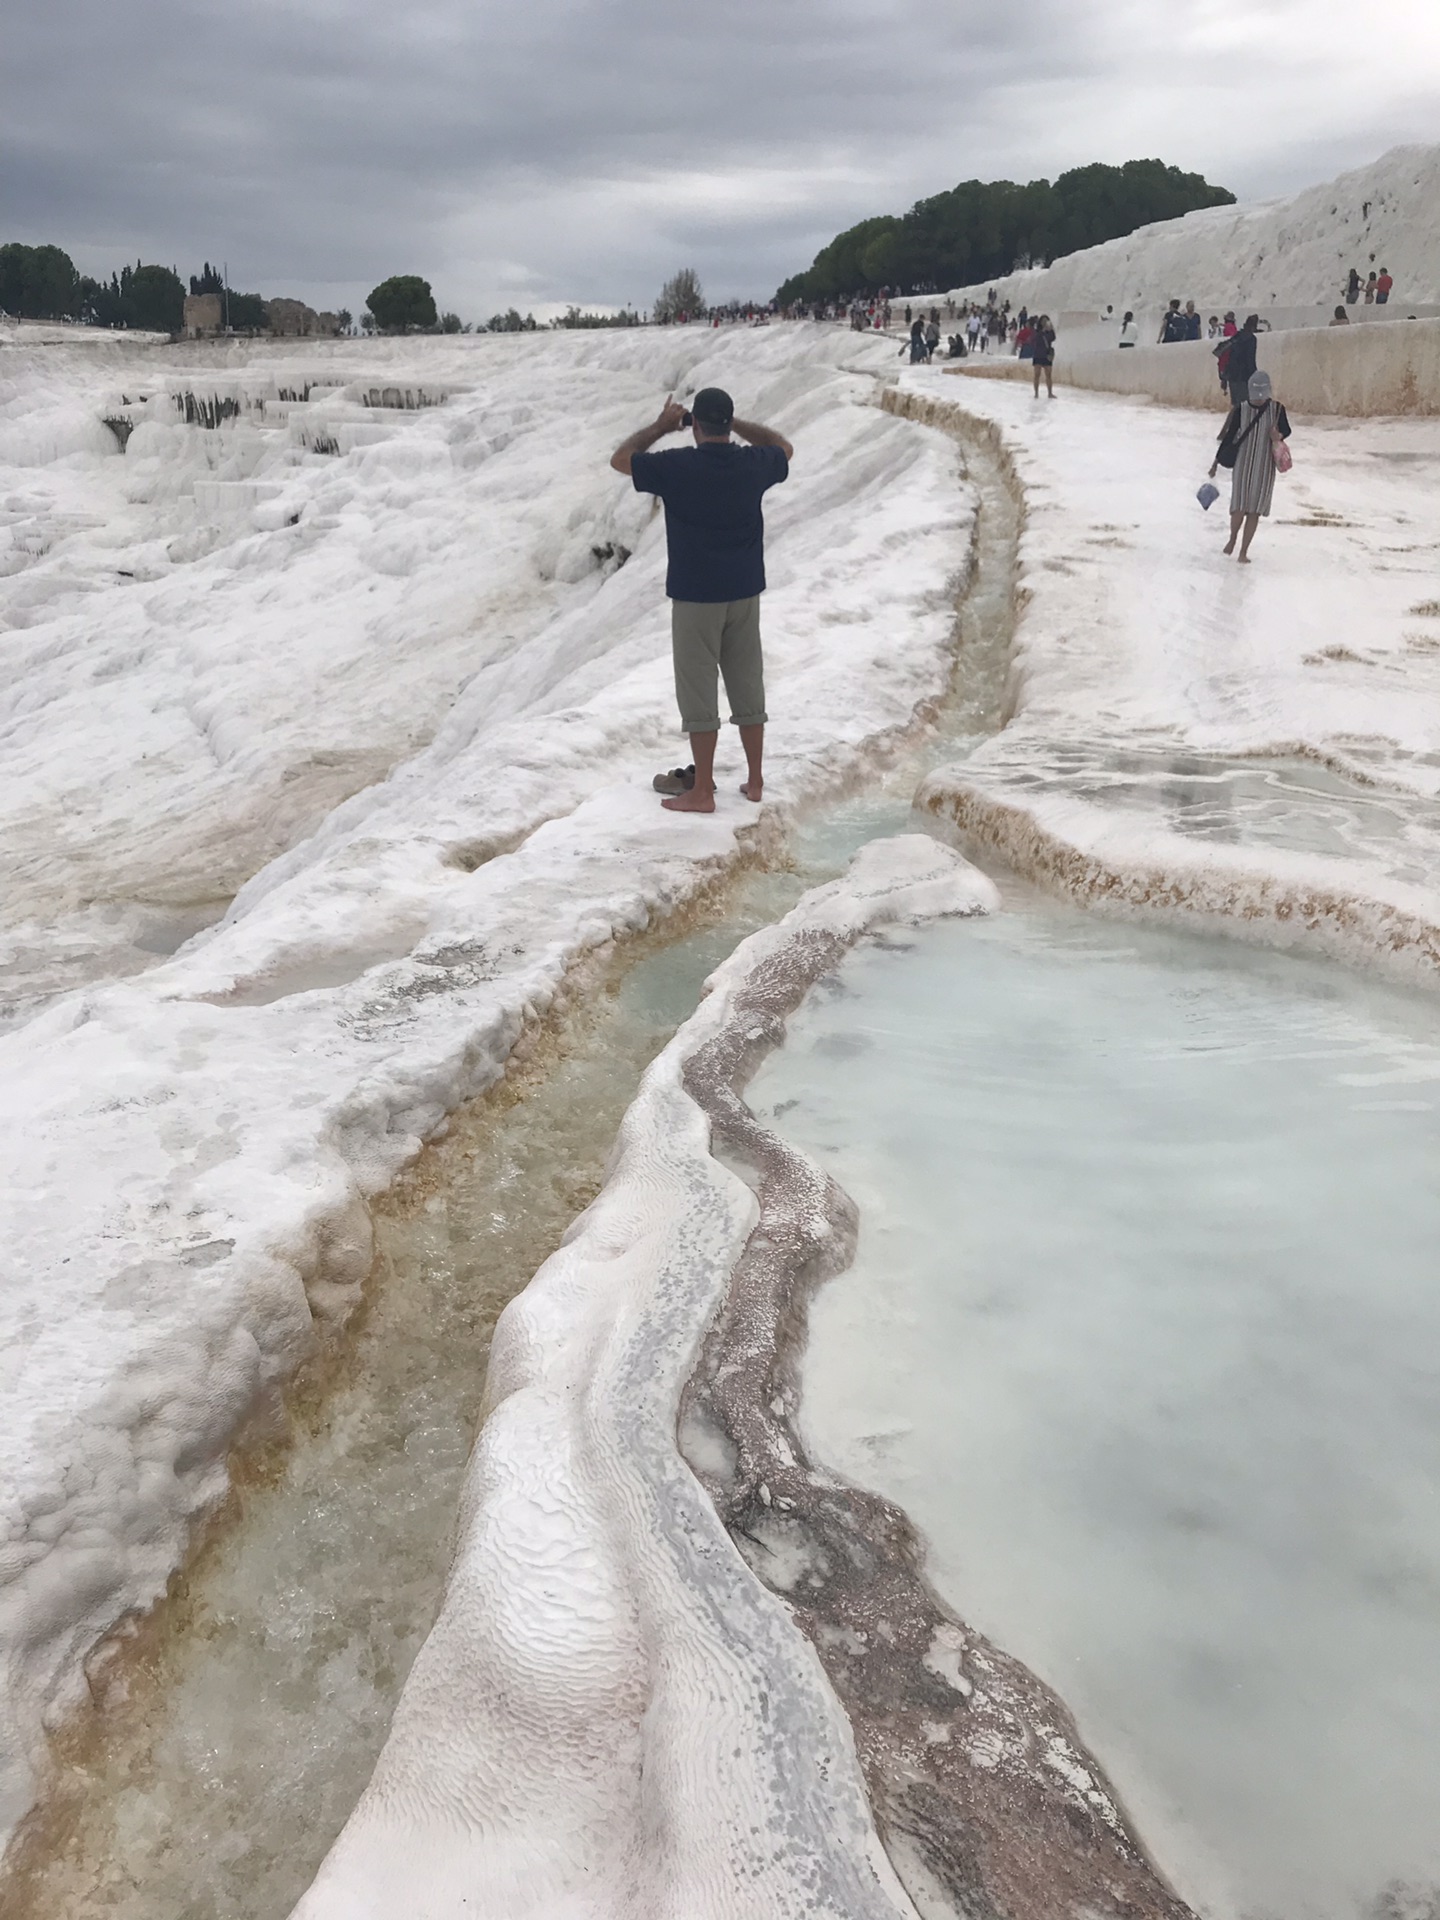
point(1382, 287)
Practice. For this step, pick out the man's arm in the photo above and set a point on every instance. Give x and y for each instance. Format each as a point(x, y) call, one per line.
point(666, 421)
point(762, 436)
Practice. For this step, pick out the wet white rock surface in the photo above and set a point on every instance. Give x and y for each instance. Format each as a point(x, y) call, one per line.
point(1257, 745)
point(612, 1716)
point(185, 1153)
point(377, 971)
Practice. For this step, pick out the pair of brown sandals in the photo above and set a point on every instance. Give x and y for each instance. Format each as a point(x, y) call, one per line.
point(677, 780)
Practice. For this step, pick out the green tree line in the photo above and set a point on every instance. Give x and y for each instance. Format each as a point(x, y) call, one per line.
point(41, 283)
point(981, 230)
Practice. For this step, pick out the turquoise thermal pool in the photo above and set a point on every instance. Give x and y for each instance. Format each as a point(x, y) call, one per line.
point(1144, 1333)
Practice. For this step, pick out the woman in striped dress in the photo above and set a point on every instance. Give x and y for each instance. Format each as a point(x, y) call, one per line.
point(1251, 429)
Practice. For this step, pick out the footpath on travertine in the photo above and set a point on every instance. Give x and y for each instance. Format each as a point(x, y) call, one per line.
point(1259, 742)
point(1389, 367)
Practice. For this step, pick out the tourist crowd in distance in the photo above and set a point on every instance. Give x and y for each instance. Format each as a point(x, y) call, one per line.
point(1186, 325)
point(1252, 443)
point(993, 326)
point(1374, 292)
point(988, 327)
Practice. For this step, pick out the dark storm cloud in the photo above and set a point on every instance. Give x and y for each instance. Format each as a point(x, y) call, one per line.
point(567, 148)
point(324, 143)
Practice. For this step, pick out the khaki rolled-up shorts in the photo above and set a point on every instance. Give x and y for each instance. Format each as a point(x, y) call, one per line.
point(717, 637)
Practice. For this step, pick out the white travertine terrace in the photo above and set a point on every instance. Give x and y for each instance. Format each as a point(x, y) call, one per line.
point(1258, 746)
point(612, 1718)
point(1356, 371)
point(185, 1153)
point(1296, 250)
point(402, 701)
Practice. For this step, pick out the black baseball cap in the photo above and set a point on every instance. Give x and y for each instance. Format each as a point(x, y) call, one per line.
point(713, 407)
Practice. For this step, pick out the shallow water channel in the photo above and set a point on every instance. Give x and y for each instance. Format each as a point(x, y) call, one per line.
point(232, 1751)
point(1143, 1333)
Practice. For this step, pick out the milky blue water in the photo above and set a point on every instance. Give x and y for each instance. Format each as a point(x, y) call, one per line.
point(1144, 1332)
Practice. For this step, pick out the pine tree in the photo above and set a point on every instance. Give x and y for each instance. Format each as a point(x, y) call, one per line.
point(681, 294)
point(402, 302)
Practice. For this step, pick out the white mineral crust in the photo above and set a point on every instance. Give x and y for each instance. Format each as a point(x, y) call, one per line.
point(1258, 746)
point(1287, 252)
point(387, 717)
point(612, 1717)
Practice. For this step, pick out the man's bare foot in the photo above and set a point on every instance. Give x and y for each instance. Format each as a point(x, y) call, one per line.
point(691, 802)
point(752, 789)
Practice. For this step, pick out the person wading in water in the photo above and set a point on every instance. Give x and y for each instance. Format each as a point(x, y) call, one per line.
point(715, 536)
point(1250, 440)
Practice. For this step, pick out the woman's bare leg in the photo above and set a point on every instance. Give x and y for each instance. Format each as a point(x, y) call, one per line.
point(1235, 520)
point(1252, 521)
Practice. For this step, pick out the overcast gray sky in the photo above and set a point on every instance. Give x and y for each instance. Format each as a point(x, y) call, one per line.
point(535, 150)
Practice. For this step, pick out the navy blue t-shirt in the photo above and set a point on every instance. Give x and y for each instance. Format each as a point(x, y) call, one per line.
point(714, 528)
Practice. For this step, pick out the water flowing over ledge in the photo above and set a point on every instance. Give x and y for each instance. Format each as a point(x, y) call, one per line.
point(612, 1715)
point(1344, 907)
point(1258, 750)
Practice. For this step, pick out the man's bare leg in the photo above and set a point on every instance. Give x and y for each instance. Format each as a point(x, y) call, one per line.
point(701, 797)
point(752, 739)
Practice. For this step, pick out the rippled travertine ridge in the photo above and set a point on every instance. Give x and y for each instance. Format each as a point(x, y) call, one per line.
point(979, 1778)
point(611, 1713)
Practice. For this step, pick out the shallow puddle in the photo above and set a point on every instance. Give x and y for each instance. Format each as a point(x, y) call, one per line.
point(1296, 805)
point(1143, 1334)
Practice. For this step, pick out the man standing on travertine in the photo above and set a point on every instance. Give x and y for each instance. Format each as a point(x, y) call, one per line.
point(715, 533)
